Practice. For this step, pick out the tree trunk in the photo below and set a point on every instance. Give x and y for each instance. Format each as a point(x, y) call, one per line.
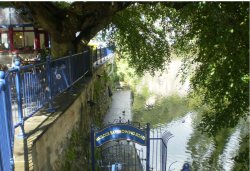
point(60, 49)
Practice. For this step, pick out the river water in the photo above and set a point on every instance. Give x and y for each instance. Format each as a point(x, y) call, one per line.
point(179, 147)
point(187, 145)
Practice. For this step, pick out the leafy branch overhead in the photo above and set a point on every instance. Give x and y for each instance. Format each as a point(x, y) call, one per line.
point(139, 35)
point(219, 33)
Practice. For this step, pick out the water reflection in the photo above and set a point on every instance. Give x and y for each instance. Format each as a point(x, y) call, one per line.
point(182, 129)
point(189, 145)
point(225, 159)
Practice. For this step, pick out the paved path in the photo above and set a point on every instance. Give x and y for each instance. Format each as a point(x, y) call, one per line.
point(121, 101)
point(123, 153)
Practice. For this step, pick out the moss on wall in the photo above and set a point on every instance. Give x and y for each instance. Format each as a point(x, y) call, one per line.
point(95, 103)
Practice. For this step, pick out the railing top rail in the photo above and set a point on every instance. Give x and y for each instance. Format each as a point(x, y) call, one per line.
point(58, 59)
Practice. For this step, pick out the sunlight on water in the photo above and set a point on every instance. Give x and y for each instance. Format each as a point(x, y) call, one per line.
point(177, 146)
point(179, 153)
point(230, 150)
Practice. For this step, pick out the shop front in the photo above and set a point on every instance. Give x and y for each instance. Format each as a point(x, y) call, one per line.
point(20, 36)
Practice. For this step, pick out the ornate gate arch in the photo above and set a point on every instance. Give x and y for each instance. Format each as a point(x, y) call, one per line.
point(128, 146)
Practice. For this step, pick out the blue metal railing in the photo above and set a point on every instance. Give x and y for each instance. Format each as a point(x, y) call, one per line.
point(26, 89)
point(6, 128)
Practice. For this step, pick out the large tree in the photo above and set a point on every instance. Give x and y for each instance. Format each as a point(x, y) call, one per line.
point(213, 35)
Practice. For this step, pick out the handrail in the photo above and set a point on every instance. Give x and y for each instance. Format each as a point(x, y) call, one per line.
point(29, 88)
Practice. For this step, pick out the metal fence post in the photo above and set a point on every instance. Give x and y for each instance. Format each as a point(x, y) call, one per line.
point(148, 147)
point(88, 61)
point(91, 60)
point(96, 56)
point(19, 98)
point(70, 68)
point(72, 90)
point(101, 55)
point(92, 139)
point(6, 126)
point(166, 137)
point(51, 109)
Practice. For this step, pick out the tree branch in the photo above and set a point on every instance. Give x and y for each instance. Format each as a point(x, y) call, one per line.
point(96, 16)
point(46, 14)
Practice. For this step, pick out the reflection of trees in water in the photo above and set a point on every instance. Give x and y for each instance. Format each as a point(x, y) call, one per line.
point(208, 153)
point(164, 111)
point(200, 147)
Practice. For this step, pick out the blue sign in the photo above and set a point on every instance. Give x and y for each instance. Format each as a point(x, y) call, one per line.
point(120, 132)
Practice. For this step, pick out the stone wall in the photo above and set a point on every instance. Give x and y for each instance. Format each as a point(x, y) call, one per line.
point(65, 144)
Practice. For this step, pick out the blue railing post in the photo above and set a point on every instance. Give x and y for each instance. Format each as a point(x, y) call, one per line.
point(70, 72)
point(51, 109)
point(91, 60)
point(70, 68)
point(148, 147)
point(19, 98)
point(6, 131)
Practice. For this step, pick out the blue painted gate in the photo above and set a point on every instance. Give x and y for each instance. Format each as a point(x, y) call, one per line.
point(127, 146)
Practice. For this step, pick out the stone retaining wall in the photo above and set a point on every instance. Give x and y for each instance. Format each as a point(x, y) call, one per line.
point(50, 148)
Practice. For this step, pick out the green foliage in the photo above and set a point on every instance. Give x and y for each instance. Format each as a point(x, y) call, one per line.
point(76, 154)
point(140, 37)
point(125, 73)
point(242, 159)
point(217, 36)
point(62, 4)
point(214, 36)
point(4, 4)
